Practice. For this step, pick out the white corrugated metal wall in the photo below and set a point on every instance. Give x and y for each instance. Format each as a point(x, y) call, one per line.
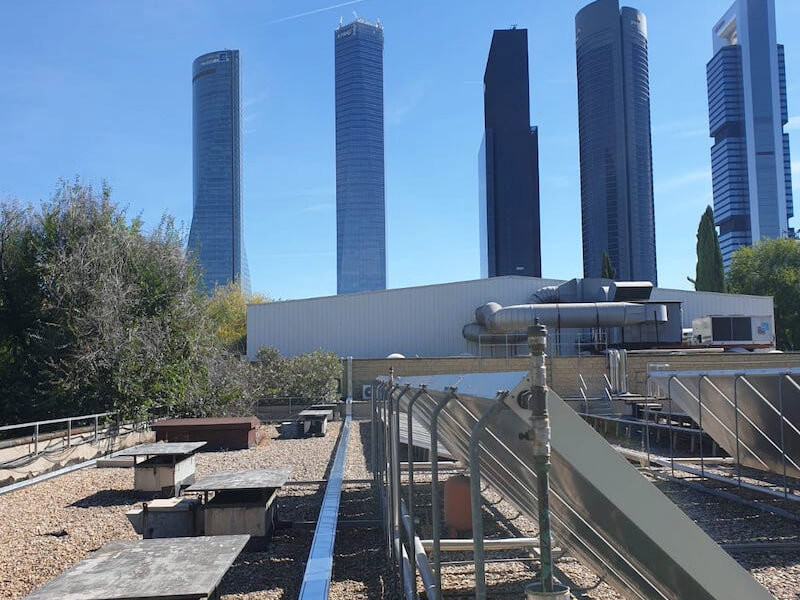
point(703, 304)
point(426, 320)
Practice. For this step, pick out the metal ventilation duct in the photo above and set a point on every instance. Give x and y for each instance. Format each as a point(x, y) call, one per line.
point(603, 510)
point(493, 318)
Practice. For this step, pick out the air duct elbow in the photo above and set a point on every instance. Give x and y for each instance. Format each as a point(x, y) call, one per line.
point(483, 314)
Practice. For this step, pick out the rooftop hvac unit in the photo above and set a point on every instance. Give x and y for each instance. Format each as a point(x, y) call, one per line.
point(366, 392)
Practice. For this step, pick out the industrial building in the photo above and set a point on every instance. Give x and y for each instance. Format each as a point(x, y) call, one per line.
point(438, 320)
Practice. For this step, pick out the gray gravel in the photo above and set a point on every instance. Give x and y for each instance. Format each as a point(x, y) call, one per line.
point(47, 528)
point(86, 509)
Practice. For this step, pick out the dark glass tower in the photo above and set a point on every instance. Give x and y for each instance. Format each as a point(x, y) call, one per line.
point(215, 238)
point(614, 127)
point(360, 202)
point(750, 161)
point(509, 163)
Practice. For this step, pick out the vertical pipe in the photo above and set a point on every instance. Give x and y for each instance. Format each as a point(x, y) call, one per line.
point(783, 449)
point(671, 440)
point(412, 556)
point(349, 377)
point(36, 439)
point(396, 480)
point(435, 509)
point(69, 433)
point(736, 427)
point(372, 440)
point(700, 422)
point(539, 436)
point(647, 428)
point(479, 555)
point(385, 461)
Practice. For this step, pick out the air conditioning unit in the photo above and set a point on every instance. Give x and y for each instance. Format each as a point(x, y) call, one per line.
point(366, 392)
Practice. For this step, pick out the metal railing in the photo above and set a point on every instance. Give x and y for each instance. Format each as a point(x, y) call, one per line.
point(37, 425)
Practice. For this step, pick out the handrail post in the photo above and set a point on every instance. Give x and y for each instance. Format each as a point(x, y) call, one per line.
point(700, 422)
point(736, 427)
point(435, 509)
point(396, 479)
point(412, 556)
point(478, 552)
point(671, 441)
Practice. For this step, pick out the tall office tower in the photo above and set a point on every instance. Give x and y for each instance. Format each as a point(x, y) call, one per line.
point(614, 127)
point(216, 236)
point(509, 163)
point(360, 202)
point(751, 168)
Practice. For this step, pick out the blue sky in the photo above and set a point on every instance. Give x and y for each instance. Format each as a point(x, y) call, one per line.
point(102, 89)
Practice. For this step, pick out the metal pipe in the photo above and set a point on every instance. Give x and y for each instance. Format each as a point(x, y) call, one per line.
point(478, 550)
point(410, 456)
point(405, 577)
point(539, 436)
point(396, 482)
point(372, 439)
point(426, 466)
point(465, 545)
point(736, 428)
point(387, 506)
point(435, 509)
point(425, 572)
point(389, 424)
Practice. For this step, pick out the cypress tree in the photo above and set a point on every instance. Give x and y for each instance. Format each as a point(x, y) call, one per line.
point(710, 275)
point(608, 271)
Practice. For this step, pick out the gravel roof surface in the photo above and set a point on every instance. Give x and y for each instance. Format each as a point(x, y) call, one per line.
point(48, 527)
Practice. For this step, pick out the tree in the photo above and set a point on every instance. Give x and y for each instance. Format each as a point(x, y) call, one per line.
point(772, 268)
point(310, 375)
point(227, 307)
point(96, 315)
point(608, 271)
point(709, 273)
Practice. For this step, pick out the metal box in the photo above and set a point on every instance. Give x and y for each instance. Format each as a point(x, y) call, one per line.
point(251, 512)
point(159, 473)
point(167, 518)
point(230, 433)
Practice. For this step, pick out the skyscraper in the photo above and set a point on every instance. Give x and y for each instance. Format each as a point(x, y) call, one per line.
point(750, 162)
point(509, 163)
point(216, 238)
point(360, 202)
point(614, 127)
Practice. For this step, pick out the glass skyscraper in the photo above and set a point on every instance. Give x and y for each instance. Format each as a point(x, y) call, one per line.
point(615, 154)
point(750, 162)
point(509, 163)
point(216, 238)
point(360, 202)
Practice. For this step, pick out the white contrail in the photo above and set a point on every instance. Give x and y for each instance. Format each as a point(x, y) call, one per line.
point(315, 11)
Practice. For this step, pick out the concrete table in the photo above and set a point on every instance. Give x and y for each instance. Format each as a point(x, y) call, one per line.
point(243, 502)
point(185, 568)
point(315, 421)
point(167, 466)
